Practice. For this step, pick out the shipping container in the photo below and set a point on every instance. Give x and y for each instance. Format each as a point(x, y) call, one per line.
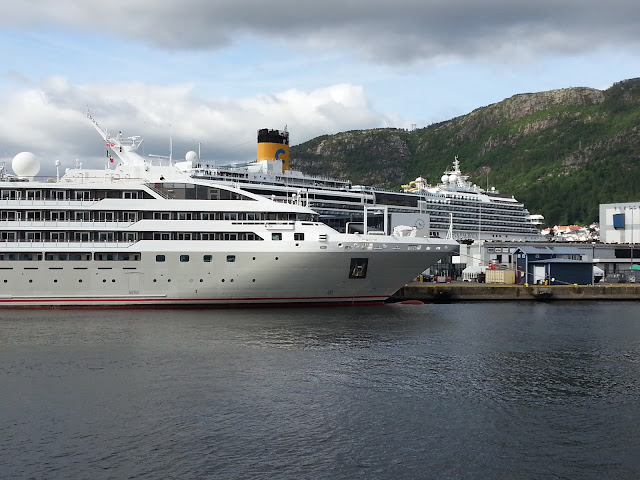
point(506, 277)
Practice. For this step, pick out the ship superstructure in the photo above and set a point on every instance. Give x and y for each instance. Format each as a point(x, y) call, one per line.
point(455, 206)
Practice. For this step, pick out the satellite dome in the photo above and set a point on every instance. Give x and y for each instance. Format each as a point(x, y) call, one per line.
point(453, 178)
point(25, 164)
point(444, 178)
point(191, 156)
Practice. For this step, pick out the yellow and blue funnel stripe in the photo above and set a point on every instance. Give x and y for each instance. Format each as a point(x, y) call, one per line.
point(274, 145)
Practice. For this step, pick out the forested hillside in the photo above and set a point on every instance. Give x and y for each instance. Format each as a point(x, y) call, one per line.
point(561, 152)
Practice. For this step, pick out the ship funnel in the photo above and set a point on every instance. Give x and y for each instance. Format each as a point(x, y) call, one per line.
point(274, 145)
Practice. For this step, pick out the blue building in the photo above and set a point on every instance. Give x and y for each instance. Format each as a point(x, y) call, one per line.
point(552, 265)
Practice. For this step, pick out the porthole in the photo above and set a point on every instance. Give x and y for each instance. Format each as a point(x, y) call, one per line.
point(54, 281)
point(201, 280)
point(154, 280)
point(30, 281)
point(231, 280)
point(254, 258)
point(113, 280)
point(104, 280)
point(223, 280)
point(254, 280)
point(79, 280)
point(168, 280)
point(276, 258)
point(5, 281)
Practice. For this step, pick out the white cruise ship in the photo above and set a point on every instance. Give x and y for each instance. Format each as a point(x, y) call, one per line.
point(454, 208)
point(140, 234)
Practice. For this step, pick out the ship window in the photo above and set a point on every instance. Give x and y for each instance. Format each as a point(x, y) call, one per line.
point(159, 258)
point(184, 258)
point(184, 216)
point(206, 258)
point(110, 257)
point(231, 258)
point(129, 194)
point(34, 194)
point(9, 215)
point(106, 236)
point(231, 216)
point(34, 236)
point(276, 236)
point(298, 236)
point(12, 194)
point(358, 268)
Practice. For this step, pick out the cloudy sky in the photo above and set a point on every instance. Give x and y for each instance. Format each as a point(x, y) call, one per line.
point(214, 71)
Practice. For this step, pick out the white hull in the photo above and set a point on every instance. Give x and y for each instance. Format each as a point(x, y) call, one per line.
point(302, 275)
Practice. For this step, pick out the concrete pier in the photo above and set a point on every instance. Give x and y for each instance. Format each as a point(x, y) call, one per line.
point(452, 292)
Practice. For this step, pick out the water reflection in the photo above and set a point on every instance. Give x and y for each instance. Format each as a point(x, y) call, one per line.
point(507, 390)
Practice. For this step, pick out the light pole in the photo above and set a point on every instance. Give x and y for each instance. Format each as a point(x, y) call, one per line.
point(632, 208)
point(593, 262)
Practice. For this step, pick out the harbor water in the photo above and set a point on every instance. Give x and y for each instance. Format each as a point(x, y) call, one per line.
point(523, 390)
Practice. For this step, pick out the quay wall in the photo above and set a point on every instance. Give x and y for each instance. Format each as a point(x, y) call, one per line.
point(488, 292)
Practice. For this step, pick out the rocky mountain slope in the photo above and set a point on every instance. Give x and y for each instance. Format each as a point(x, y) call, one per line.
point(561, 152)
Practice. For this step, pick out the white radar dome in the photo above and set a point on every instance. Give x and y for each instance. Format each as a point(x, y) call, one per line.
point(191, 156)
point(25, 164)
point(444, 178)
point(453, 178)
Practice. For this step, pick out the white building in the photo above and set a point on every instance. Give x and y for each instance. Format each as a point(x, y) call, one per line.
point(620, 223)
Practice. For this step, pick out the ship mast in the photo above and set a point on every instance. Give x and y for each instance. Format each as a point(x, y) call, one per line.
point(124, 148)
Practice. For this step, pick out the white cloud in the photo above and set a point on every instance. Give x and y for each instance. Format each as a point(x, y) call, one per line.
point(49, 119)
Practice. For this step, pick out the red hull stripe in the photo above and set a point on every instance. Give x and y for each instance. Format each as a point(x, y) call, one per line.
point(185, 300)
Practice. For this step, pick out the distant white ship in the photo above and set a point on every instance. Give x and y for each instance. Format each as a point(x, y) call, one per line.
point(140, 234)
point(454, 208)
